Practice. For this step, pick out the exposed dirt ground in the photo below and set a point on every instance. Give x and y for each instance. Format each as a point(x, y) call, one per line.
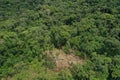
point(63, 60)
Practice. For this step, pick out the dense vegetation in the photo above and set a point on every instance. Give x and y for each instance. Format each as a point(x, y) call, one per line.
point(30, 27)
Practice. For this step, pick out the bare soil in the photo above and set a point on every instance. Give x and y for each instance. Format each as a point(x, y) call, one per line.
point(63, 60)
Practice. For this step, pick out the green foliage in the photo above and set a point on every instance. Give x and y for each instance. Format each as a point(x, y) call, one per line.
point(60, 35)
point(96, 69)
point(79, 72)
point(49, 62)
point(115, 68)
point(89, 27)
point(65, 75)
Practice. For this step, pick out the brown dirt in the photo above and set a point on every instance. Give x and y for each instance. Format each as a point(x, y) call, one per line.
point(63, 60)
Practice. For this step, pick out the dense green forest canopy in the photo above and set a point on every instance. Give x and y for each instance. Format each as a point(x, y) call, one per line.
point(89, 27)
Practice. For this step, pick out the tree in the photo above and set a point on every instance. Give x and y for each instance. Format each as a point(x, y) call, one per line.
point(60, 35)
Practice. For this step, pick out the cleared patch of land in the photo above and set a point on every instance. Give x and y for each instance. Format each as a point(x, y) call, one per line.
point(63, 60)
